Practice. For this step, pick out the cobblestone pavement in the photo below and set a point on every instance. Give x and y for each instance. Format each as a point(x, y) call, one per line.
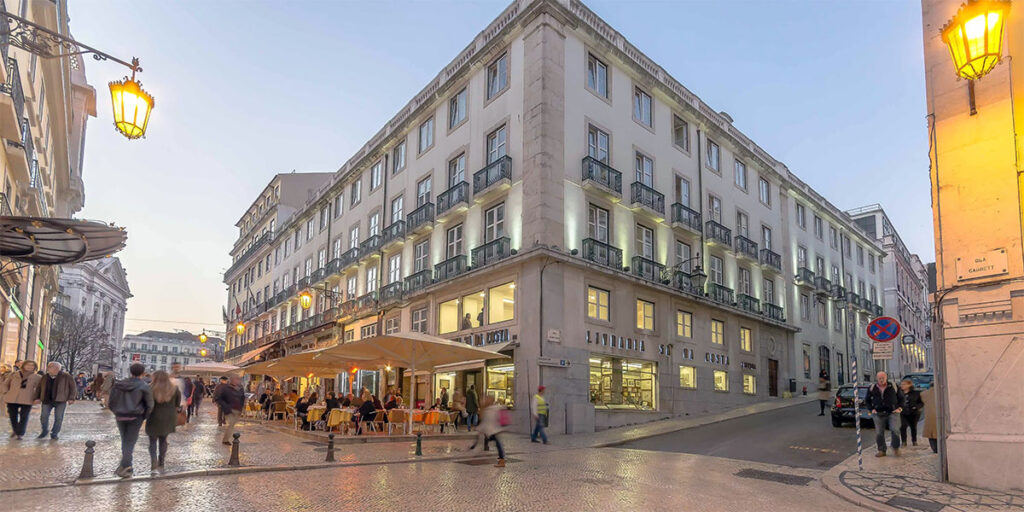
point(575, 479)
point(910, 482)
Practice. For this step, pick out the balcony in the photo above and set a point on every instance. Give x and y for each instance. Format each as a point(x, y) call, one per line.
point(602, 177)
point(493, 251)
point(366, 304)
point(349, 257)
point(649, 270)
point(852, 300)
point(720, 294)
point(420, 219)
point(748, 303)
point(318, 275)
point(822, 285)
point(876, 310)
point(304, 283)
point(771, 260)
point(370, 246)
point(348, 308)
point(686, 218)
point(746, 248)
point(774, 312)
point(646, 198)
point(497, 175)
point(419, 281)
point(717, 233)
point(391, 293)
point(334, 266)
point(453, 199)
point(449, 268)
point(679, 280)
point(12, 102)
point(394, 233)
point(602, 253)
point(838, 291)
point(804, 277)
point(262, 240)
point(865, 304)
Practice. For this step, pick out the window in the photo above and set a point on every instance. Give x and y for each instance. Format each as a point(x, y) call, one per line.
point(642, 107)
point(717, 332)
point(741, 175)
point(645, 241)
point(597, 144)
point(597, 76)
point(357, 192)
point(683, 252)
point(419, 319)
point(683, 191)
point(713, 153)
point(837, 319)
point(801, 256)
point(680, 133)
point(835, 276)
point(765, 191)
point(687, 377)
point(860, 255)
point(822, 313)
point(623, 383)
point(715, 208)
point(818, 230)
point(501, 303)
point(371, 279)
point(298, 238)
point(325, 213)
point(644, 315)
point(597, 223)
point(684, 324)
point(721, 380)
point(874, 295)
point(457, 109)
point(497, 76)
point(805, 306)
point(398, 158)
point(395, 268)
point(457, 170)
point(741, 224)
point(766, 237)
point(472, 310)
point(744, 285)
point(353, 237)
point(846, 247)
point(396, 209)
point(376, 175)
point(308, 269)
point(819, 265)
point(768, 291)
point(423, 191)
point(454, 242)
point(392, 325)
point(494, 223)
point(421, 256)
point(644, 169)
point(374, 224)
point(860, 287)
point(871, 263)
point(368, 331)
point(801, 216)
point(717, 270)
point(749, 384)
point(496, 144)
point(833, 237)
point(597, 303)
point(426, 135)
point(322, 258)
point(746, 340)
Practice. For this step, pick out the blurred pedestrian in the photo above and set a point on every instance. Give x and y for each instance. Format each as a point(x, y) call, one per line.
point(539, 413)
point(97, 388)
point(220, 412)
point(472, 407)
point(911, 414)
point(824, 391)
point(444, 399)
point(884, 402)
point(493, 422)
point(930, 430)
point(4, 372)
point(231, 400)
point(163, 419)
point(21, 390)
point(459, 407)
point(185, 386)
point(131, 401)
point(80, 384)
point(56, 391)
point(198, 392)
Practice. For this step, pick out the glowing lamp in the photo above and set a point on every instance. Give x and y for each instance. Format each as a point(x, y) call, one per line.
point(975, 37)
point(305, 299)
point(202, 352)
point(132, 106)
point(240, 328)
point(309, 375)
point(203, 338)
point(354, 370)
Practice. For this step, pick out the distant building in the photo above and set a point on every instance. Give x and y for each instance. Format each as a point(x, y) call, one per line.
point(99, 290)
point(158, 350)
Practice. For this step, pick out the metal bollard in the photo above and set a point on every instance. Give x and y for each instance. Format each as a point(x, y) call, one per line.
point(234, 450)
point(330, 447)
point(87, 464)
point(419, 444)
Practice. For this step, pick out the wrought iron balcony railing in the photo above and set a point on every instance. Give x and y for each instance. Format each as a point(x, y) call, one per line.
point(746, 247)
point(260, 241)
point(419, 281)
point(771, 259)
point(602, 253)
point(371, 245)
point(602, 174)
point(496, 171)
point(396, 231)
point(450, 268)
point(366, 303)
point(720, 293)
point(804, 276)
point(647, 269)
point(495, 250)
point(450, 198)
point(679, 280)
point(334, 266)
point(648, 197)
point(774, 312)
point(822, 284)
point(349, 257)
point(718, 233)
point(391, 293)
point(419, 217)
point(687, 217)
point(748, 303)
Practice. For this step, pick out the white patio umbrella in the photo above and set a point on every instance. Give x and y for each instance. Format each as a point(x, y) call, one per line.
point(210, 368)
point(413, 350)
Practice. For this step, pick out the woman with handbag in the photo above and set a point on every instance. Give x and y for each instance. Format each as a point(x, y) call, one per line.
point(167, 414)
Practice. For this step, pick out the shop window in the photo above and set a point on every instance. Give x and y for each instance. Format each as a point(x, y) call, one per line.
point(448, 317)
point(718, 332)
point(688, 377)
point(721, 380)
point(501, 303)
point(597, 303)
point(623, 383)
point(644, 315)
point(684, 324)
point(750, 384)
point(501, 384)
point(473, 310)
point(745, 340)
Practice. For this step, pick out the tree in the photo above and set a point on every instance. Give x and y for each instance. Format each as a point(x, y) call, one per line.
point(77, 342)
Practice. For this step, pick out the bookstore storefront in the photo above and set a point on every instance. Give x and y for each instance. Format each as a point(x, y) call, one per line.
point(620, 383)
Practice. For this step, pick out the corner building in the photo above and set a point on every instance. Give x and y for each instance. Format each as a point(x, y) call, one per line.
point(550, 196)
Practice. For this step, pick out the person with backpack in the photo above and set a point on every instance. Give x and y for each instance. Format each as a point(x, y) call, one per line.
point(886, 405)
point(539, 413)
point(131, 401)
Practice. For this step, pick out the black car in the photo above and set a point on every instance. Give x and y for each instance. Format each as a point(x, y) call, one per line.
point(842, 406)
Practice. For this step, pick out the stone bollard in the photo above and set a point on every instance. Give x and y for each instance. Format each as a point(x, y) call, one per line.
point(234, 450)
point(419, 444)
point(330, 447)
point(87, 464)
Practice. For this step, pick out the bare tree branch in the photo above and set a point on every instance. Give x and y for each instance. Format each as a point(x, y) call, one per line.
point(77, 342)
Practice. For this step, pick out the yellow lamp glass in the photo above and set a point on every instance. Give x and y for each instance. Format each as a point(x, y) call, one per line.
point(203, 338)
point(240, 328)
point(305, 300)
point(202, 352)
point(975, 37)
point(132, 106)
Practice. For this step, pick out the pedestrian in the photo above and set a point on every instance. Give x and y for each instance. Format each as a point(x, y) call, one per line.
point(185, 386)
point(539, 413)
point(197, 395)
point(231, 400)
point(884, 402)
point(220, 412)
point(97, 388)
point(20, 390)
point(930, 431)
point(493, 422)
point(824, 391)
point(458, 407)
point(911, 414)
point(162, 420)
point(472, 407)
point(4, 372)
point(131, 401)
point(444, 399)
point(56, 391)
point(80, 384)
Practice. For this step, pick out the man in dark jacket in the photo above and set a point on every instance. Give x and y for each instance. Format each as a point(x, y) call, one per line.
point(131, 401)
point(472, 408)
point(57, 389)
point(885, 404)
point(231, 399)
point(216, 393)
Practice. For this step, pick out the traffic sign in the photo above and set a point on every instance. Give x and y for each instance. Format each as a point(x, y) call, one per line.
point(550, 361)
point(882, 350)
point(883, 328)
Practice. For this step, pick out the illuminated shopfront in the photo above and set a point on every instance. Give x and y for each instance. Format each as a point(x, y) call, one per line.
point(501, 384)
point(617, 383)
point(486, 307)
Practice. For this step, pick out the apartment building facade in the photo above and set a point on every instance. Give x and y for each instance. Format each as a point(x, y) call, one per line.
point(45, 105)
point(158, 350)
point(905, 292)
point(558, 198)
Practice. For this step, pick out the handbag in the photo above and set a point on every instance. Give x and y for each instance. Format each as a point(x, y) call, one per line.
point(182, 418)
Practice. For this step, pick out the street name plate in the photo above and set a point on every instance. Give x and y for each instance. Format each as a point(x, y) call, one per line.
point(882, 350)
point(992, 263)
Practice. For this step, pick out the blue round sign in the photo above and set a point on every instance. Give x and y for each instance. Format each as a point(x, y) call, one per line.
point(883, 328)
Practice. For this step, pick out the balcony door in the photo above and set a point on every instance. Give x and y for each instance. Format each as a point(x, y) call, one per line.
point(597, 145)
point(494, 223)
point(497, 144)
point(597, 223)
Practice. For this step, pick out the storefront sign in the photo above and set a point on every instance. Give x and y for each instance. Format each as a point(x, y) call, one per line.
point(716, 358)
point(748, 366)
point(486, 338)
point(620, 342)
point(17, 310)
point(550, 361)
point(992, 263)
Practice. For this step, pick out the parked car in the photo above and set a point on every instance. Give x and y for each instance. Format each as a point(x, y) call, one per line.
point(921, 380)
point(843, 406)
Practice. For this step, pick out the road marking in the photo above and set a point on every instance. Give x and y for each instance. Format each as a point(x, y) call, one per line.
point(813, 449)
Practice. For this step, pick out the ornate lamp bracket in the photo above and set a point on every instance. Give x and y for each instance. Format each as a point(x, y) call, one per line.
point(48, 44)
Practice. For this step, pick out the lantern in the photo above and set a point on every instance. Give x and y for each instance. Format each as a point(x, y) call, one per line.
point(975, 37)
point(202, 352)
point(132, 106)
point(203, 338)
point(305, 299)
point(240, 328)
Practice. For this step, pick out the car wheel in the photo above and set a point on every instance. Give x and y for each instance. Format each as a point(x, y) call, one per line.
point(837, 422)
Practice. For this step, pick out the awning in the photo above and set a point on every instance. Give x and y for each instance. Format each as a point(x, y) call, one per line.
point(209, 368)
point(253, 353)
point(504, 349)
point(46, 241)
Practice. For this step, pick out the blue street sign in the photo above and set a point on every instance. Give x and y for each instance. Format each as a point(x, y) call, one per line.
point(883, 328)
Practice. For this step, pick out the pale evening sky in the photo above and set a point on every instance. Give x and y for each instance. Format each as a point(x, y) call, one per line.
point(244, 90)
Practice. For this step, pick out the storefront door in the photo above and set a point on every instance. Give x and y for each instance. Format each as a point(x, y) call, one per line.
point(773, 377)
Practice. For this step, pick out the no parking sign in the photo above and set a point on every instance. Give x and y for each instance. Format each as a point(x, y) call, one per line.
point(883, 329)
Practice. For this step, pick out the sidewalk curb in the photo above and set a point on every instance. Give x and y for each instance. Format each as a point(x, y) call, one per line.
point(832, 483)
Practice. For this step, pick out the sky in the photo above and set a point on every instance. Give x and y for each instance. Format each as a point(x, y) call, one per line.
point(245, 90)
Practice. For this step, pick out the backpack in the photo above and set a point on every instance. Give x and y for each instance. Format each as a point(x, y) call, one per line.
point(504, 418)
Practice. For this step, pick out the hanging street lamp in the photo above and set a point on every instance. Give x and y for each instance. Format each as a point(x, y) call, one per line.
point(203, 337)
point(240, 328)
point(132, 105)
point(975, 37)
point(306, 299)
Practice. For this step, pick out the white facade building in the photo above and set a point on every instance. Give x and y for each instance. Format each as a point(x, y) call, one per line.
point(99, 290)
point(158, 350)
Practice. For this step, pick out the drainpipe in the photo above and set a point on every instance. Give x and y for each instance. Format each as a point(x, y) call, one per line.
point(700, 205)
